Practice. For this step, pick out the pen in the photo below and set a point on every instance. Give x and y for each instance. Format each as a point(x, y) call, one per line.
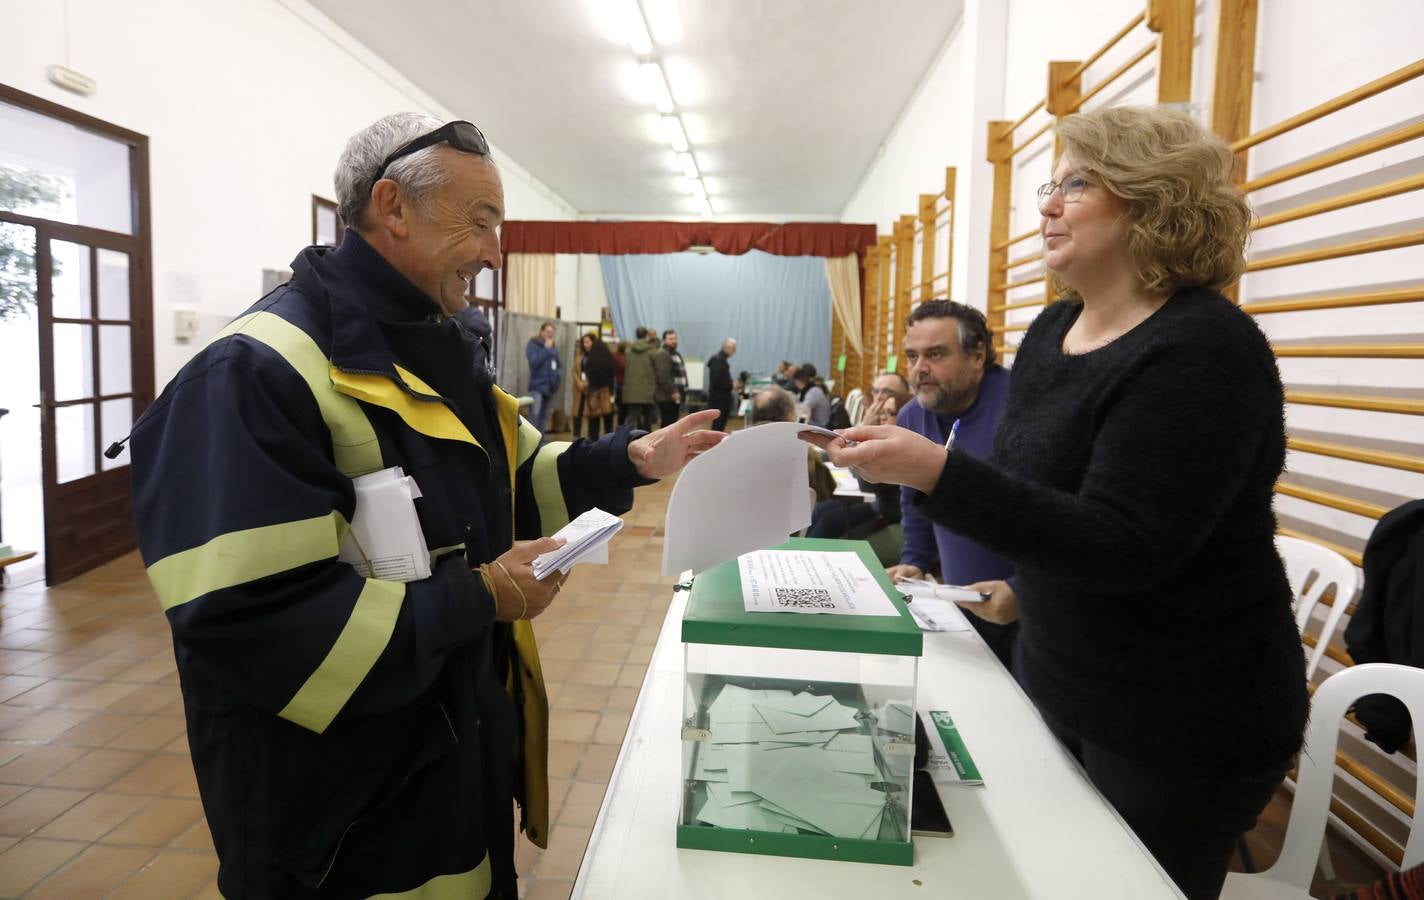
point(953, 432)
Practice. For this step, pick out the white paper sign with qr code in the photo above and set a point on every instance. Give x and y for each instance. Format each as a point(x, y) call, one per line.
point(800, 581)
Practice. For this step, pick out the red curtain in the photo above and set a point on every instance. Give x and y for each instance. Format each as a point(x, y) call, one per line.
point(732, 238)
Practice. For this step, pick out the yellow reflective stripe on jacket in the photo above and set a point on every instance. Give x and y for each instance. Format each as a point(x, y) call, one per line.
point(535, 713)
point(429, 417)
point(529, 438)
point(353, 440)
point(548, 494)
point(242, 556)
point(356, 650)
point(471, 885)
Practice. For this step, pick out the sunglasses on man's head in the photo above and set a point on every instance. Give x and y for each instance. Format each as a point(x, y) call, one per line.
point(461, 135)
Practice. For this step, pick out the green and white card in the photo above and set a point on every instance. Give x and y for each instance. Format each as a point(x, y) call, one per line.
point(949, 762)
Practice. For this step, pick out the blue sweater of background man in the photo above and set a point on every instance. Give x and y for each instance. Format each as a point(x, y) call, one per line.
point(961, 560)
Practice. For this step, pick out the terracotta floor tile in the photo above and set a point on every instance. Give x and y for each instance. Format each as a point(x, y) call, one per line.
point(13, 662)
point(38, 763)
point(585, 793)
point(147, 700)
point(580, 814)
point(13, 715)
point(155, 776)
point(149, 670)
point(94, 816)
point(597, 763)
point(15, 685)
point(172, 875)
point(51, 692)
point(596, 673)
point(93, 873)
point(29, 861)
point(549, 890)
point(9, 792)
point(23, 638)
point(572, 726)
point(609, 652)
point(611, 728)
point(561, 860)
point(556, 669)
point(622, 699)
point(102, 669)
point(210, 892)
point(562, 649)
point(45, 725)
point(647, 634)
point(158, 824)
point(197, 837)
point(51, 665)
point(150, 734)
point(619, 634)
point(35, 809)
point(96, 769)
point(564, 757)
point(640, 653)
point(526, 856)
point(99, 729)
point(590, 697)
point(631, 675)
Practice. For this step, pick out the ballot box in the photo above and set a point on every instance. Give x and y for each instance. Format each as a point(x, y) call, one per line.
point(798, 733)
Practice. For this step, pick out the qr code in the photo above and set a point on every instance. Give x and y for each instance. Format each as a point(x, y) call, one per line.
point(804, 598)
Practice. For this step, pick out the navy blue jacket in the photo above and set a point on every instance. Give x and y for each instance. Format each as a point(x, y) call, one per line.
point(544, 374)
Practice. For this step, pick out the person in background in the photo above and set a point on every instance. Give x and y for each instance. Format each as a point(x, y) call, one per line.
point(544, 374)
point(672, 378)
point(598, 371)
point(576, 429)
point(639, 380)
point(838, 518)
point(355, 736)
point(960, 389)
point(812, 394)
point(620, 370)
point(784, 376)
point(719, 383)
point(776, 404)
point(1131, 484)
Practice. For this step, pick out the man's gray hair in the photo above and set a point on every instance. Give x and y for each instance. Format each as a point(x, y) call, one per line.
point(773, 404)
point(420, 174)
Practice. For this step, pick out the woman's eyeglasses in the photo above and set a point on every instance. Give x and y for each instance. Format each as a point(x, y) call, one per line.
point(1072, 189)
point(460, 135)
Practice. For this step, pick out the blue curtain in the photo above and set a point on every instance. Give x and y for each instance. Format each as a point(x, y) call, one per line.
point(777, 307)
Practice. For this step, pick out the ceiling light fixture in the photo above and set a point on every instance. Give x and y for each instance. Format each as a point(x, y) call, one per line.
point(689, 165)
point(673, 131)
point(696, 188)
point(656, 86)
point(636, 28)
point(706, 206)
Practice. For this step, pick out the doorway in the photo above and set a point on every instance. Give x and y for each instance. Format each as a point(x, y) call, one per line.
point(75, 331)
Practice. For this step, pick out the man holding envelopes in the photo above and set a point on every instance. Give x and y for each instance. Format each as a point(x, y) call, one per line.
point(356, 735)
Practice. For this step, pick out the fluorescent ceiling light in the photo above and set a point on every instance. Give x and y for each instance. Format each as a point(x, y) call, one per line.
point(636, 28)
point(656, 86)
point(689, 165)
point(672, 130)
point(706, 206)
point(696, 188)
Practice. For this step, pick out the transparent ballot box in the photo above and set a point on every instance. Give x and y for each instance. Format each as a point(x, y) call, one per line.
point(798, 734)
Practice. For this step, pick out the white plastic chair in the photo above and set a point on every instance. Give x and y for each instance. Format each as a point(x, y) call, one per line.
point(1291, 876)
point(855, 404)
point(1301, 558)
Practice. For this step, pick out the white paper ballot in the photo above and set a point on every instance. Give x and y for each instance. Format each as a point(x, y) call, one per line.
point(385, 541)
point(587, 540)
point(811, 582)
point(920, 588)
point(933, 614)
point(748, 492)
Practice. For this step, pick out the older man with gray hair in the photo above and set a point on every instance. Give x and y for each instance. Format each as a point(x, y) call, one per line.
point(361, 714)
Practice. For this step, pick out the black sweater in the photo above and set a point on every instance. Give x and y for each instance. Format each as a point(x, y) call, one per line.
point(1131, 487)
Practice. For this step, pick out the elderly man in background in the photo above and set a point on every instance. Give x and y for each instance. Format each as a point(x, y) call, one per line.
point(353, 735)
point(776, 404)
point(839, 518)
point(720, 389)
point(671, 374)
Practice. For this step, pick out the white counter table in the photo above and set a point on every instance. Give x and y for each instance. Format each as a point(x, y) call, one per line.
point(1037, 828)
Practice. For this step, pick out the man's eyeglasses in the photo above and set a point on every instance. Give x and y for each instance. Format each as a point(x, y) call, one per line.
point(1071, 188)
point(461, 135)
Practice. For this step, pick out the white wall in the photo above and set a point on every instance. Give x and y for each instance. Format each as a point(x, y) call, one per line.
point(247, 104)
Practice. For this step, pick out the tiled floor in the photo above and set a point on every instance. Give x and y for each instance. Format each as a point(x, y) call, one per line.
point(97, 795)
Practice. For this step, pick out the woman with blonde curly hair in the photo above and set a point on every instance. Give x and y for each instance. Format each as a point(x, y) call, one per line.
point(1131, 486)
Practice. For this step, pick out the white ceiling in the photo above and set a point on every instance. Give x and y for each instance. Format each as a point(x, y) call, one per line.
point(785, 101)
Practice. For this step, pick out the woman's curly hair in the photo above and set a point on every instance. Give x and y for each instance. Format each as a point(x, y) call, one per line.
point(1188, 223)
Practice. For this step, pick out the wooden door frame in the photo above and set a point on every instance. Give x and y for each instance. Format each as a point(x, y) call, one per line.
point(138, 245)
